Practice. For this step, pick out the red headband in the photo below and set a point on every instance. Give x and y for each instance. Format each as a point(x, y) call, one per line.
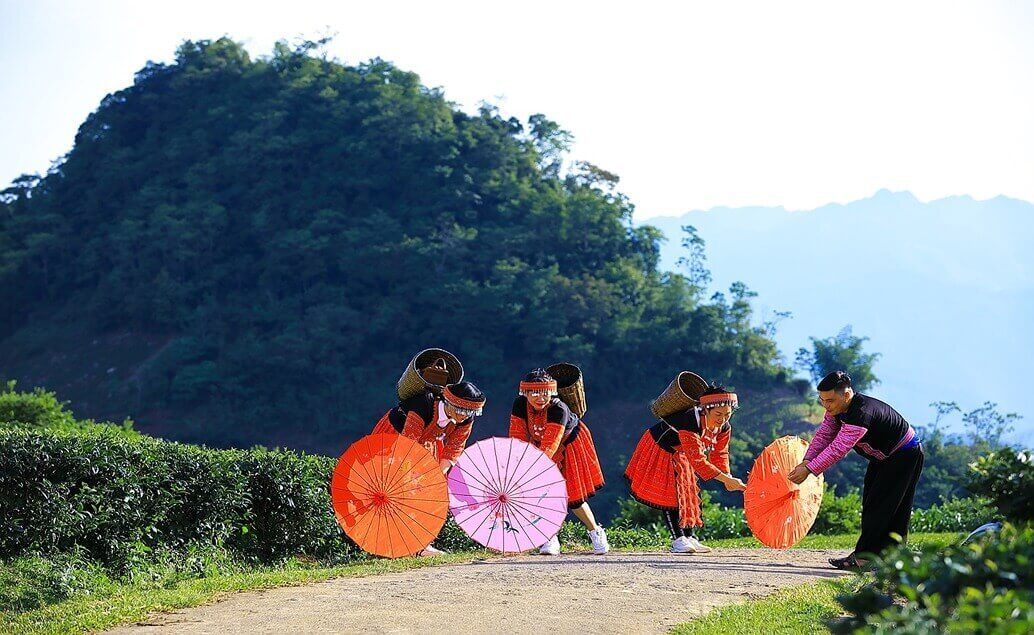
point(720, 399)
point(460, 402)
point(538, 385)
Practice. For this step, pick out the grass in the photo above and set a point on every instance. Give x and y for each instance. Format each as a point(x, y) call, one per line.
point(111, 604)
point(799, 609)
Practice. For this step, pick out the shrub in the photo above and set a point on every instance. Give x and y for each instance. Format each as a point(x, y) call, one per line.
point(36, 409)
point(640, 538)
point(719, 521)
point(632, 513)
point(839, 514)
point(1006, 477)
point(41, 409)
point(452, 538)
point(986, 586)
point(958, 514)
point(288, 509)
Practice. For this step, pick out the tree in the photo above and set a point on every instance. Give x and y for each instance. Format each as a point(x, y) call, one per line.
point(694, 262)
point(840, 352)
point(984, 426)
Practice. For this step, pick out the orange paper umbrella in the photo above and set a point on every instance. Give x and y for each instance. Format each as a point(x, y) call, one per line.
point(389, 495)
point(778, 512)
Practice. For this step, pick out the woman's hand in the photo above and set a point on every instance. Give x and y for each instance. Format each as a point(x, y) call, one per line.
point(799, 474)
point(446, 465)
point(732, 483)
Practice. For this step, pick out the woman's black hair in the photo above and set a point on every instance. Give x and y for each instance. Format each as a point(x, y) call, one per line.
point(837, 380)
point(715, 389)
point(467, 390)
point(539, 374)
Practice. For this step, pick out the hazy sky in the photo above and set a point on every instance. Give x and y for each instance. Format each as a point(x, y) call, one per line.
point(694, 105)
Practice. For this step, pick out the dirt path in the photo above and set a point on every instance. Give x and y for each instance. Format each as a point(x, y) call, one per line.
point(616, 593)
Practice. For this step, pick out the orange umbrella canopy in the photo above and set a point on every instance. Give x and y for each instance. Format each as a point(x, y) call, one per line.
point(778, 512)
point(389, 495)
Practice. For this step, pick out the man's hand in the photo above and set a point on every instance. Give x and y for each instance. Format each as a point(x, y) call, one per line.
point(799, 474)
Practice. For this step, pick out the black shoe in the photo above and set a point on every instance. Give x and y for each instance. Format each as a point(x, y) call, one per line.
point(848, 563)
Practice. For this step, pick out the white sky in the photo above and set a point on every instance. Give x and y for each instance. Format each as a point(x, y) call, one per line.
point(694, 105)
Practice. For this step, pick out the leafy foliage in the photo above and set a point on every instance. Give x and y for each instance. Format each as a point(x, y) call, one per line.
point(839, 514)
point(33, 410)
point(982, 587)
point(1007, 478)
point(719, 521)
point(957, 514)
point(41, 409)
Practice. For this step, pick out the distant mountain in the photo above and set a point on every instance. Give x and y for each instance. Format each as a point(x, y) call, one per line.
point(945, 289)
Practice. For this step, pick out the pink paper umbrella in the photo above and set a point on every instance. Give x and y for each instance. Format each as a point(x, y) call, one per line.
point(507, 495)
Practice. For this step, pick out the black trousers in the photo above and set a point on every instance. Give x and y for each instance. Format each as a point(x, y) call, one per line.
point(890, 486)
point(671, 519)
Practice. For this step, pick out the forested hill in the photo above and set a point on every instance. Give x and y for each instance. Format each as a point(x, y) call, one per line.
point(245, 251)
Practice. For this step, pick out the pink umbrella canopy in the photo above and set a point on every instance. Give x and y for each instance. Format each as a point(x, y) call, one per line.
point(507, 495)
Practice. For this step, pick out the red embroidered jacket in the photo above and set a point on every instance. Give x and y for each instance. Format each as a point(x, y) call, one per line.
point(546, 429)
point(419, 418)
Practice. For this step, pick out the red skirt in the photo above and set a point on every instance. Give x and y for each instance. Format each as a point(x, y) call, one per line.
point(664, 480)
point(580, 467)
point(384, 427)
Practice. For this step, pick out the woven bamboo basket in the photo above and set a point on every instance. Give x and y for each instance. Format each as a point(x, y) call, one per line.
point(683, 392)
point(411, 383)
point(570, 386)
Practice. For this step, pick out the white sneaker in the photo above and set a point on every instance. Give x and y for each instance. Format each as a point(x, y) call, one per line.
point(698, 547)
point(431, 551)
point(600, 545)
point(682, 545)
point(551, 548)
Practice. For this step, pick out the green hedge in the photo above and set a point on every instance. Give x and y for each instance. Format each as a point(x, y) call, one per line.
point(117, 498)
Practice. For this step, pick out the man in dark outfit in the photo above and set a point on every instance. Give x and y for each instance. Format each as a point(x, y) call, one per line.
point(881, 435)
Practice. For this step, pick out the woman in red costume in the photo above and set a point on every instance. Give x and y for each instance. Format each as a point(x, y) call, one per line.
point(542, 419)
point(674, 453)
point(442, 424)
